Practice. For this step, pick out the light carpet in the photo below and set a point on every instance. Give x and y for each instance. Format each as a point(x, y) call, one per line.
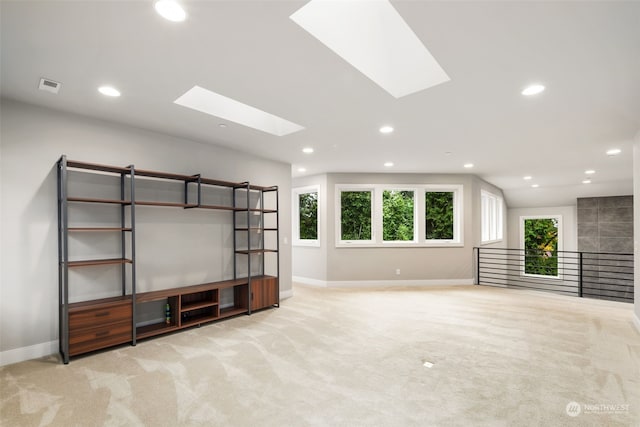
point(345, 357)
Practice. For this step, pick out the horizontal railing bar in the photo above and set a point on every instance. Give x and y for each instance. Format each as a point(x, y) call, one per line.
point(574, 273)
point(622, 254)
point(566, 277)
point(555, 285)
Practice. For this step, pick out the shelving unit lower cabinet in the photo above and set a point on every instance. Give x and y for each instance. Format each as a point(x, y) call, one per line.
point(264, 292)
point(161, 321)
point(199, 307)
point(98, 324)
point(189, 306)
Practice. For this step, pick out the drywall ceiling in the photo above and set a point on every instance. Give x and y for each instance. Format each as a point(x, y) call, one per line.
point(587, 54)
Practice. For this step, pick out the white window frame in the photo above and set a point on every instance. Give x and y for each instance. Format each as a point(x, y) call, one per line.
point(340, 188)
point(419, 191)
point(492, 217)
point(560, 245)
point(295, 216)
point(379, 216)
point(457, 191)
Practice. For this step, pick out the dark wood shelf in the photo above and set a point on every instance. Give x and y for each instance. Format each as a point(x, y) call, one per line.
point(231, 311)
point(166, 175)
point(220, 183)
point(255, 251)
point(264, 189)
point(167, 204)
point(154, 329)
point(96, 167)
point(217, 207)
point(75, 229)
point(92, 200)
point(196, 320)
point(93, 262)
point(166, 293)
point(197, 305)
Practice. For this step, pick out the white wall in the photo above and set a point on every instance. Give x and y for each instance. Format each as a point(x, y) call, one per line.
point(32, 140)
point(569, 224)
point(340, 266)
point(310, 262)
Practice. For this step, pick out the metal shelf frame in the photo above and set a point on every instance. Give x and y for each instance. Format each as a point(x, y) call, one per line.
point(240, 208)
point(63, 240)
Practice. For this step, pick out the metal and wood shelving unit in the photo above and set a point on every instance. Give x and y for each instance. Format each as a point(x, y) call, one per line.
point(94, 324)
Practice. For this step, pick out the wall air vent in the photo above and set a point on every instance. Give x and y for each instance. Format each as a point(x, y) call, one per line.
point(49, 85)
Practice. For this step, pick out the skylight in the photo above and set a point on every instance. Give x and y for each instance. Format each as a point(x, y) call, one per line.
point(208, 102)
point(373, 38)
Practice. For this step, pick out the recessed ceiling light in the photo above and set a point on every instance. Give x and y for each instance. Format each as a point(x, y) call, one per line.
point(614, 152)
point(468, 165)
point(586, 181)
point(374, 39)
point(589, 172)
point(208, 102)
point(388, 164)
point(307, 150)
point(302, 170)
point(532, 90)
point(109, 91)
point(222, 125)
point(527, 178)
point(535, 185)
point(447, 153)
point(170, 10)
point(386, 129)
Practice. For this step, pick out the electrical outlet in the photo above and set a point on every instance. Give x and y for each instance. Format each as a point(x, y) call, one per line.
point(397, 271)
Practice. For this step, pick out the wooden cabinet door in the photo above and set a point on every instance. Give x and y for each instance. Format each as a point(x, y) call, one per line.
point(264, 292)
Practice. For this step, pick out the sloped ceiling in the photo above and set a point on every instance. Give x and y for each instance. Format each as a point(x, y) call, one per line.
point(587, 54)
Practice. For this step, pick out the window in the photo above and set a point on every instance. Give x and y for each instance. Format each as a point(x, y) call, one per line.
point(355, 215)
point(305, 216)
point(398, 215)
point(383, 215)
point(540, 241)
point(491, 217)
point(439, 215)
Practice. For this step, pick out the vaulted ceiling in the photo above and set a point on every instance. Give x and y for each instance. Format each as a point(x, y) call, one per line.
point(587, 54)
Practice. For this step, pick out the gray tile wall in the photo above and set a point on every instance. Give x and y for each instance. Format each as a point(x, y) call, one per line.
point(605, 225)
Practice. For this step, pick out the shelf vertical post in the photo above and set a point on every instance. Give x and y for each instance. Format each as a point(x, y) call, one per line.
point(132, 208)
point(249, 245)
point(235, 241)
point(63, 261)
point(263, 255)
point(278, 244)
point(123, 243)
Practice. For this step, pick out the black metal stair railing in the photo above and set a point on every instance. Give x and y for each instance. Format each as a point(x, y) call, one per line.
point(584, 274)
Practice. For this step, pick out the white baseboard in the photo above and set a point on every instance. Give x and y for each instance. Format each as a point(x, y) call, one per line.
point(379, 283)
point(309, 281)
point(636, 321)
point(26, 353)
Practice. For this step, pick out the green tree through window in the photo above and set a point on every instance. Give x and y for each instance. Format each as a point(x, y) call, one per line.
point(308, 211)
point(439, 215)
point(355, 215)
point(397, 215)
point(541, 246)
